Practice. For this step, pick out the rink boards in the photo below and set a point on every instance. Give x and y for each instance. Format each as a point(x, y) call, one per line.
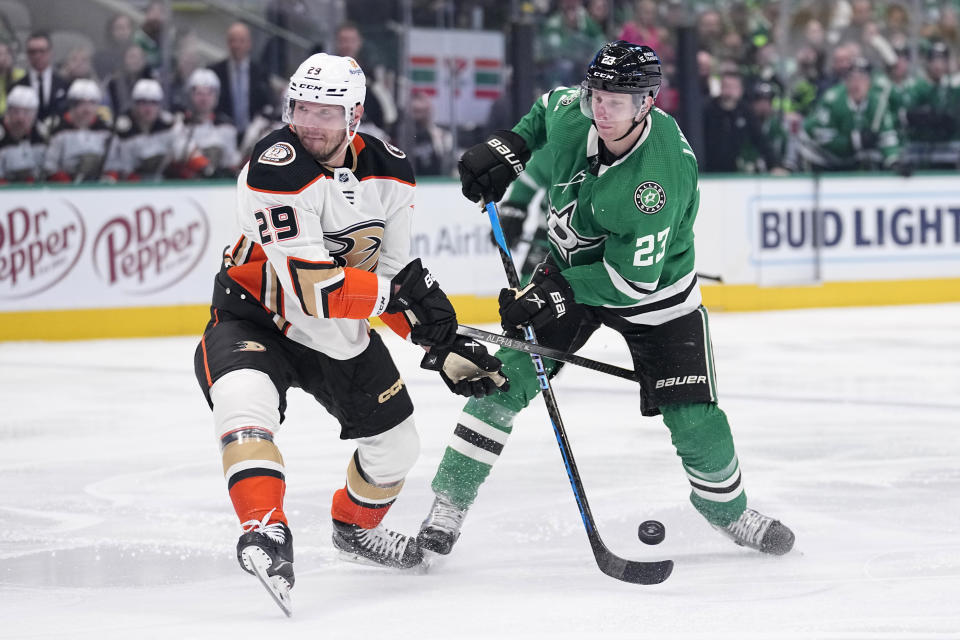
point(138, 260)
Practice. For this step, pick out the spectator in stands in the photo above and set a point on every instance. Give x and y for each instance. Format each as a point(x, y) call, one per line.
point(567, 38)
point(896, 23)
point(145, 135)
point(22, 139)
point(78, 64)
point(728, 124)
point(120, 84)
point(808, 82)
point(710, 31)
point(188, 59)
point(599, 12)
point(78, 140)
point(841, 62)
point(431, 152)
point(206, 145)
point(643, 28)
point(933, 113)
point(770, 123)
point(244, 84)
point(851, 128)
point(154, 34)
point(379, 108)
point(9, 74)
point(119, 36)
point(51, 89)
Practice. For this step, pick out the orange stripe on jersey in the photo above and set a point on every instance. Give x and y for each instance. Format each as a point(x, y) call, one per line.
point(249, 276)
point(206, 365)
point(395, 179)
point(358, 145)
point(398, 322)
point(351, 293)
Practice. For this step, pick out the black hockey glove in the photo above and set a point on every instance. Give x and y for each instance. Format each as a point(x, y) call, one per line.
point(545, 300)
point(417, 294)
point(488, 168)
point(512, 217)
point(467, 368)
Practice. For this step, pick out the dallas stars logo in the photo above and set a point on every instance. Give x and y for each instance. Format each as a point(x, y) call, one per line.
point(564, 237)
point(650, 197)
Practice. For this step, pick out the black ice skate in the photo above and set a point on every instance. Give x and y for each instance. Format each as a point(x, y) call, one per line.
point(266, 551)
point(441, 529)
point(757, 531)
point(379, 546)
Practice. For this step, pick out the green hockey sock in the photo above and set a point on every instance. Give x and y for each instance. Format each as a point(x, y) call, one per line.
point(701, 435)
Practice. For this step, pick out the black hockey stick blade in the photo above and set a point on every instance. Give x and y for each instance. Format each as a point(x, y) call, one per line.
point(632, 571)
point(553, 354)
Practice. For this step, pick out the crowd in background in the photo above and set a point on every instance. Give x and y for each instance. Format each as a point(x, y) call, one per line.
point(810, 85)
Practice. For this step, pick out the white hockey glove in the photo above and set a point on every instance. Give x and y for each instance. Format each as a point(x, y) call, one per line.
point(467, 368)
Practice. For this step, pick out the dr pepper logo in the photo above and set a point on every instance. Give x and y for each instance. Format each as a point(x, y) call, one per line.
point(38, 247)
point(151, 247)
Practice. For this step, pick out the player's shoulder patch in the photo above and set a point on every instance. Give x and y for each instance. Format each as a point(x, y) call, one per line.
point(279, 154)
point(280, 164)
point(380, 159)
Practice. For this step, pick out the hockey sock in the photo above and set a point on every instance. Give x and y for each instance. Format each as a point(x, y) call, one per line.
point(253, 469)
point(482, 430)
point(701, 435)
point(361, 501)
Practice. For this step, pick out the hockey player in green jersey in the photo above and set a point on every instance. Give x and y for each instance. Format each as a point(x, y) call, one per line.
point(623, 198)
point(851, 127)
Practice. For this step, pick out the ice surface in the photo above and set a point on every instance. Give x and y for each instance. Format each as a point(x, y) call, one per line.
point(115, 521)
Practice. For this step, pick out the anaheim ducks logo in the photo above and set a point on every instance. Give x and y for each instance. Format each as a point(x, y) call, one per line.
point(249, 345)
point(357, 246)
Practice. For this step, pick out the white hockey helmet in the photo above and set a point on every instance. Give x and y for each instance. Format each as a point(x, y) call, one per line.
point(330, 80)
point(203, 78)
point(84, 89)
point(147, 89)
point(23, 97)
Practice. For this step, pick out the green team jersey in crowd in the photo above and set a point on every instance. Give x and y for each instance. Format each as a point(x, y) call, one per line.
point(621, 233)
point(843, 131)
point(941, 97)
point(750, 160)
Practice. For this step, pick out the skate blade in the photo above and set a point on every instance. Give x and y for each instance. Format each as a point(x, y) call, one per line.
point(366, 562)
point(276, 586)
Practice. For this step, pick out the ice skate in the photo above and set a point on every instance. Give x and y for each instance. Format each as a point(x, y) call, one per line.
point(266, 551)
point(441, 529)
point(377, 546)
point(757, 531)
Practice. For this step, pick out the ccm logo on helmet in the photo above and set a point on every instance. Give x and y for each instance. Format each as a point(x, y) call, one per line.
point(507, 154)
point(674, 382)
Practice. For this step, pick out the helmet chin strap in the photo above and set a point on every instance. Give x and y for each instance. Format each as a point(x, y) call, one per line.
point(636, 122)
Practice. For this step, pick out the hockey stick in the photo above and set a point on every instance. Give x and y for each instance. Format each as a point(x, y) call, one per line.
point(553, 354)
point(632, 571)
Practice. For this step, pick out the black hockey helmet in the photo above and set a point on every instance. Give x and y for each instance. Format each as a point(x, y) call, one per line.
point(624, 67)
point(621, 67)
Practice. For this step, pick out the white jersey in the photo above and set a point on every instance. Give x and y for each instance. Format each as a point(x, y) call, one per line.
point(320, 245)
point(20, 160)
point(214, 138)
point(75, 153)
point(143, 154)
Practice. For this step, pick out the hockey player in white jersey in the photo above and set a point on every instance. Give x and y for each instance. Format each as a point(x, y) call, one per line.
point(207, 139)
point(78, 139)
point(22, 139)
point(145, 135)
point(325, 215)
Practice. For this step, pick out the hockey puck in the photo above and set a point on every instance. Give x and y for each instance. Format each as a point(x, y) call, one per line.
point(651, 532)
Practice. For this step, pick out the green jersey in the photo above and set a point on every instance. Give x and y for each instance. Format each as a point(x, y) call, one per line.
point(849, 134)
point(622, 233)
